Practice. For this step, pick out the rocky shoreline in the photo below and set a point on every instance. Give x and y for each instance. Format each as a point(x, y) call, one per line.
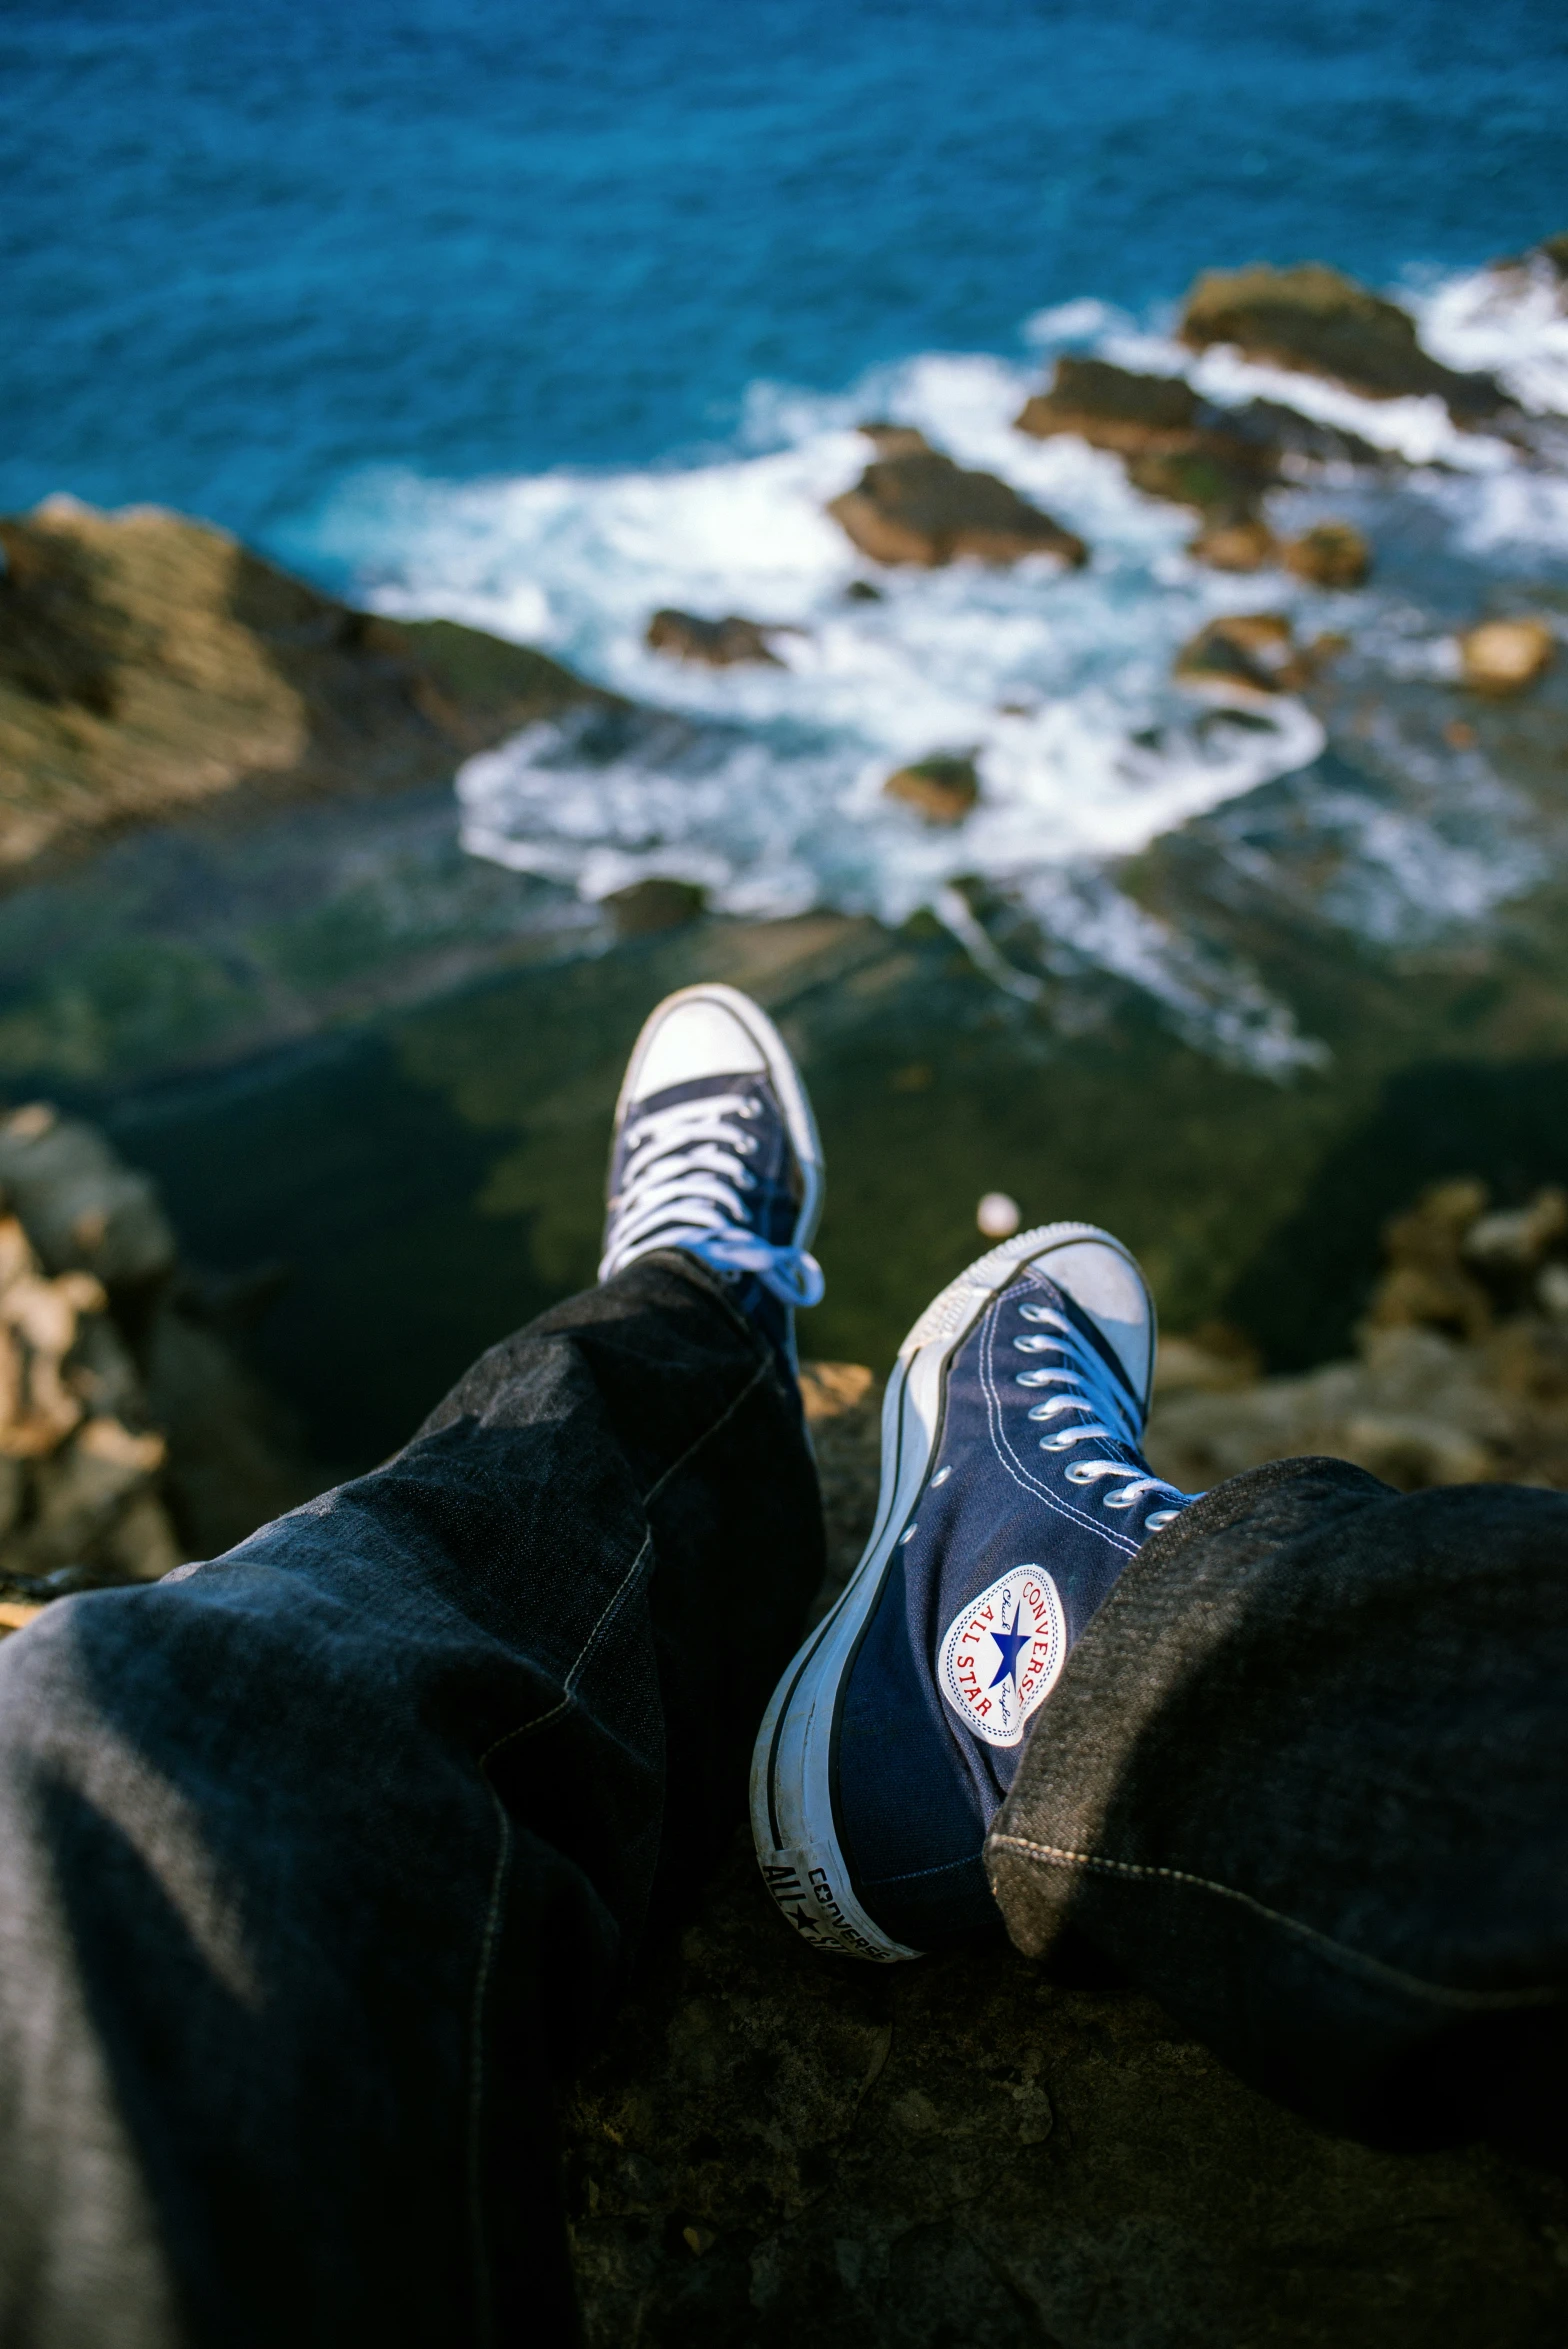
point(132, 1434)
point(151, 665)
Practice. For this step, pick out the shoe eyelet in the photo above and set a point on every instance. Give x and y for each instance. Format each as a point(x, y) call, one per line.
point(940, 1477)
point(907, 1535)
point(1079, 1473)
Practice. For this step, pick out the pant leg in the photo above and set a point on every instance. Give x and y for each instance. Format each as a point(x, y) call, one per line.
point(1304, 1779)
point(320, 1863)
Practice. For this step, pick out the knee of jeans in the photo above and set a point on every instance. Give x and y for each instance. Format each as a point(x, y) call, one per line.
point(45, 1697)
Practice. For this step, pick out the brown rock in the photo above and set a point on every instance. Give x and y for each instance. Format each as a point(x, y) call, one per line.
point(1216, 1359)
point(1217, 461)
point(1462, 1373)
point(84, 1209)
point(1506, 656)
point(720, 643)
point(653, 905)
point(1251, 654)
point(1550, 255)
point(1426, 1284)
point(78, 1486)
point(1112, 408)
point(148, 663)
point(1554, 251)
point(922, 508)
point(1312, 319)
point(1236, 546)
point(1330, 554)
point(1209, 478)
point(896, 440)
point(942, 790)
point(1517, 1239)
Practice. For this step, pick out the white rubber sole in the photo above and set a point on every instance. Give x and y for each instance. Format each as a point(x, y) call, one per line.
point(782, 1072)
point(792, 1769)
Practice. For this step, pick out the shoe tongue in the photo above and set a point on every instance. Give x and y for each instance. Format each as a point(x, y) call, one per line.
point(1089, 1332)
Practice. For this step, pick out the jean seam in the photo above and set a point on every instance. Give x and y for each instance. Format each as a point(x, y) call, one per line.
point(1053, 1855)
point(708, 1433)
point(492, 1927)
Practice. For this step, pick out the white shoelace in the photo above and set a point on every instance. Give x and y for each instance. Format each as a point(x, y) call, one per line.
point(1108, 1416)
point(683, 1185)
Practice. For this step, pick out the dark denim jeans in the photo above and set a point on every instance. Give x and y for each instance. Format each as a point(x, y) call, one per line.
point(324, 1862)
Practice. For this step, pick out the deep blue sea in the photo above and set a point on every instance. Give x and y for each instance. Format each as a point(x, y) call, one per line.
point(247, 251)
point(542, 316)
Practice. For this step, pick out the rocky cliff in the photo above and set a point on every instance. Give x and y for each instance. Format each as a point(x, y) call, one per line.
point(149, 664)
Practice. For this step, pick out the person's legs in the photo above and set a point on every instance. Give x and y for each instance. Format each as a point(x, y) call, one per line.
point(1304, 1779)
point(321, 1863)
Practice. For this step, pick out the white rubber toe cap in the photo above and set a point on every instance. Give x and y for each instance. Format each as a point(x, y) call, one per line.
point(693, 1035)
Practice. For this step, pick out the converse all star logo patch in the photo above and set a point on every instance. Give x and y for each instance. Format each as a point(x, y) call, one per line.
point(1001, 1656)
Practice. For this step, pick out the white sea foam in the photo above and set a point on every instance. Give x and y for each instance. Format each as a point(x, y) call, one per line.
point(1058, 684)
point(1511, 323)
point(763, 783)
point(1420, 430)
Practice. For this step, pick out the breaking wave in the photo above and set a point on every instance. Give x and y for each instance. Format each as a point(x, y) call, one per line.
point(763, 782)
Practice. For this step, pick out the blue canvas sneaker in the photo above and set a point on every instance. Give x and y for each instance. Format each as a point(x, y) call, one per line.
point(715, 1151)
point(1013, 1494)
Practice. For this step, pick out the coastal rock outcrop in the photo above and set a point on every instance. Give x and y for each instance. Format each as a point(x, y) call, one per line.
point(1502, 657)
point(917, 506)
point(1247, 655)
point(941, 790)
point(80, 1460)
point(658, 903)
point(1461, 1376)
point(1176, 446)
point(1330, 554)
point(720, 643)
point(1549, 259)
point(131, 1434)
point(149, 663)
point(1113, 408)
point(1217, 461)
point(896, 440)
point(1239, 543)
point(1313, 319)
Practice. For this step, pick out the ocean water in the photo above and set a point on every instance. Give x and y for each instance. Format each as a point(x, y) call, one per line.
point(542, 317)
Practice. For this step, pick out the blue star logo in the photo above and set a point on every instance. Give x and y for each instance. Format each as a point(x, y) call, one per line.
point(1010, 1642)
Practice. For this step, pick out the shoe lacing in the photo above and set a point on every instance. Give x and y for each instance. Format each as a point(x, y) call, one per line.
point(684, 1184)
point(1108, 1416)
